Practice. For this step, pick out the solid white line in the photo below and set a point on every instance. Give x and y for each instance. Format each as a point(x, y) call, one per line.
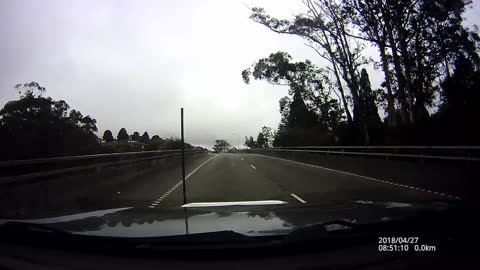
point(151, 206)
point(347, 173)
point(196, 169)
point(298, 198)
point(180, 183)
point(253, 167)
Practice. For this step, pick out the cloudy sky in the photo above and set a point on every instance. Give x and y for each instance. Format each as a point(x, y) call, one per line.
point(134, 64)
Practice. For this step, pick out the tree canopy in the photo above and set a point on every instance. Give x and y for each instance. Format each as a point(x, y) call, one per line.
point(135, 136)
point(122, 135)
point(35, 126)
point(420, 45)
point(221, 145)
point(145, 138)
point(250, 142)
point(108, 136)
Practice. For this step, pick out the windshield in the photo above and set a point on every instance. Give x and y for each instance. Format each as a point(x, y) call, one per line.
point(125, 118)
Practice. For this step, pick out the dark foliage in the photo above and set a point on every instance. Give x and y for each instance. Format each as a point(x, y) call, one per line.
point(221, 145)
point(35, 126)
point(108, 136)
point(429, 61)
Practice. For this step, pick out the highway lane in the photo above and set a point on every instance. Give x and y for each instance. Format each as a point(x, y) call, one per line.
point(142, 190)
point(131, 186)
point(246, 177)
point(212, 178)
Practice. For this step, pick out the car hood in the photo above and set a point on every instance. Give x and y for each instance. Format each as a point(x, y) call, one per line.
point(246, 220)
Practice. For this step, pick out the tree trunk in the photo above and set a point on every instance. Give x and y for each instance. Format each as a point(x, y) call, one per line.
point(391, 118)
point(389, 25)
point(342, 94)
point(408, 75)
point(400, 77)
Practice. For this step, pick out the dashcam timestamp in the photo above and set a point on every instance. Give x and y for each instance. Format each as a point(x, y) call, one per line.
point(403, 244)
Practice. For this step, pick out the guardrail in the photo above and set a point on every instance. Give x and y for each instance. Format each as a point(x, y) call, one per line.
point(19, 170)
point(459, 153)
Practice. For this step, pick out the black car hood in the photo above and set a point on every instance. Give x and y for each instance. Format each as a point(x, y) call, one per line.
point(246, 220)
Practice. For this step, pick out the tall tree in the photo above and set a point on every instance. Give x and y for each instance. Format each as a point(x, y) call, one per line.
point(418, 42)
point(35, 126)
point(369, 98)
point(365, 17)
point(461, 94)
point(145, 138)
point(108, 136)
point(156, 143)
point(267, 135)
point(156, 138)
point(299, 126)
point(221, 145)
point(261, 141)
point(325, 26)
point(305, 80)
point(250, 142)
point(135, 136)
point(122, 135)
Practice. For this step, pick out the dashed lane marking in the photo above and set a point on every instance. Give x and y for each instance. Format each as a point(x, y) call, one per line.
point(178, 184)
point(298, 198)
point(365, 177)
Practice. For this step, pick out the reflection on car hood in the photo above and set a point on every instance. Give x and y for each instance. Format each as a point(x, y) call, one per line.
point(251, 220)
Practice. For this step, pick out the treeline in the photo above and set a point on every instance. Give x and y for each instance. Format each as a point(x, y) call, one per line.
point(264, 139)
point(35, 126)
point(428, 61)
point(134, 142)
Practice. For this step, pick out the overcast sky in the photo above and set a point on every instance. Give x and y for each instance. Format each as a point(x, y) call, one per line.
point(134, 64)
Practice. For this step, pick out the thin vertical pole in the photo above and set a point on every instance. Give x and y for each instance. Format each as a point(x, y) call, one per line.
point(183, 162)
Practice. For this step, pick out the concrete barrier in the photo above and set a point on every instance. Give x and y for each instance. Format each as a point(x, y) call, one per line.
point(50, 193)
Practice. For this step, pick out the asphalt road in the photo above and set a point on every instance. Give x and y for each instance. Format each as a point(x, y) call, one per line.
point(212, 178)
point(247, 177)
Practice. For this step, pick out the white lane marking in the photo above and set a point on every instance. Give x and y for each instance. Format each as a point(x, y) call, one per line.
point(353, 174)
point(241, 158)
point(298, 198)
point(253, 167)
point(151, 206)
point(180, 183)
point(210, 204)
